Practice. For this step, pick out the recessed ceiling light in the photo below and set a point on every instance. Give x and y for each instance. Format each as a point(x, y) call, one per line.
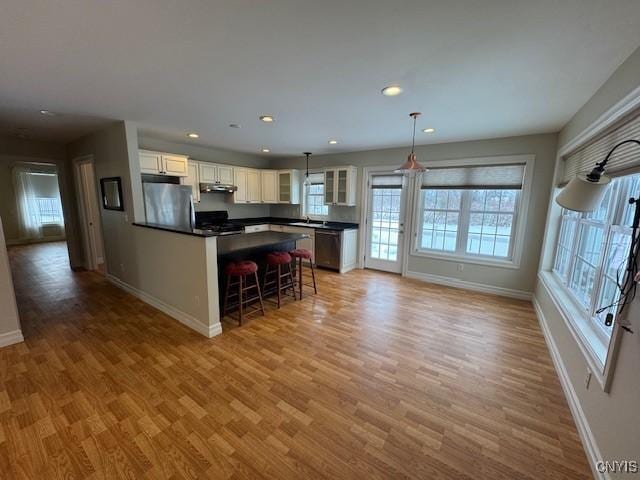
point(193, 135)
point(391, 91)
point(266, 118)
point(234, 125)
point(48, 113)
point(265, 150)
point(333, 142)
point(428, 130)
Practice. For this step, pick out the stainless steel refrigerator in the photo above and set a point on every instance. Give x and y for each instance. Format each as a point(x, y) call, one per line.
point(169, 205)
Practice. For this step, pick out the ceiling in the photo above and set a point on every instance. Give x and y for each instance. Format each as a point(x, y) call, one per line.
point(475, 69)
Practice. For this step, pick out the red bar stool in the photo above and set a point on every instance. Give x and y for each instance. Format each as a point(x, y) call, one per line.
point(299, 255)
point(242, 271)
point(276, 263)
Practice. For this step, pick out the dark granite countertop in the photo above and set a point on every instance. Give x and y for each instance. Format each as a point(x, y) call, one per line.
point(296, 222)
point(248, 241)
point(195, 232)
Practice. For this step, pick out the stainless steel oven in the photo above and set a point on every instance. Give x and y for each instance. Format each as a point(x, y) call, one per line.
point(327, 248)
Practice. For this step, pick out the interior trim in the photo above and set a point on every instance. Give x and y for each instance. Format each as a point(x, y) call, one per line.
point(184, 318)
point(582, 424)
point(11, 338)
point(477, 287)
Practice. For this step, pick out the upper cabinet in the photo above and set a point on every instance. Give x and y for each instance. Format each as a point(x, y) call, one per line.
point(269, 186)
point(254, 192)
point(289, 187)
point(340, 186)
point(213, 173)
point(157, 163)
point(248, 182)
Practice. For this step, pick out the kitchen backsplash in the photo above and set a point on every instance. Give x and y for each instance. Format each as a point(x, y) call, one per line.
point(221, 201)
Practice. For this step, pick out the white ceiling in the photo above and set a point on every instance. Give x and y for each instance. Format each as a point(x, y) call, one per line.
point(476, 69)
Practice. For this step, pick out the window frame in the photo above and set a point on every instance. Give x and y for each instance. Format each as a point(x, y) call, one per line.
point(611, 224)
point(305, 203)
point(520, 215)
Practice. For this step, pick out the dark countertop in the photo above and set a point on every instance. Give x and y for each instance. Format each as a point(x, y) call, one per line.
point(195, 232)
point(248, 241)
point(298, 223)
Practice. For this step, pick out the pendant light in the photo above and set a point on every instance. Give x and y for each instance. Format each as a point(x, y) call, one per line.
point(307, 180)
point(411, 166)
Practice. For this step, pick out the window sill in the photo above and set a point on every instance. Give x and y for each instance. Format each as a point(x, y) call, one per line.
point(452, 257)
point(590, 342)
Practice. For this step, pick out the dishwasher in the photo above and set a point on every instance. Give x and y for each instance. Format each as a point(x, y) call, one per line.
point(327, 248)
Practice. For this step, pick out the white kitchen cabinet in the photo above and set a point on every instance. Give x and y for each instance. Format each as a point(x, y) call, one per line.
point(175, 166)
point(256, 228)
point(307, 243)
point(289, 187)
point(150, 162)
point(225, 174)
point(240, 181)
point(340, 185)
point(214, 173)
point(269, 186)
point(193, 179)
point(208, 172)
point(349, 250)
point(254, 194)
point(157, 163)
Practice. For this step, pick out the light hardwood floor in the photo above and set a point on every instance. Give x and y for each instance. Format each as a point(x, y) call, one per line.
point(376, 377)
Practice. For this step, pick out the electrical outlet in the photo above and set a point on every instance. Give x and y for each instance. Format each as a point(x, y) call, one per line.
point(126, 218)
point(122, 269)
point(587, 379)
point(460, 267)
point(196, 299)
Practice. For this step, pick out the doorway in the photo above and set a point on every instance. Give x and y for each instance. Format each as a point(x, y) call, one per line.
point(386, 205)
point(89, 213)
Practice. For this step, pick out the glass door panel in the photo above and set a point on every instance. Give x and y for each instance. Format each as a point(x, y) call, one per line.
point(329, 183)
point(342, 186)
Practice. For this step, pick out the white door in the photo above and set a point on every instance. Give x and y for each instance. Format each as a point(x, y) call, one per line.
point(175, 166)
point(240, 196)
point(269, 186)
point(208, 173)
point(90, 214)
point(150, 163)
point(385, 222)
point(253, 186)
point(225, 175)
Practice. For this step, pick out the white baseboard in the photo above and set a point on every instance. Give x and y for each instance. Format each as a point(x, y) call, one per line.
point(478, 287)
point(184, 318)
point(588, 440)
point(10, 338)
point(17, 241)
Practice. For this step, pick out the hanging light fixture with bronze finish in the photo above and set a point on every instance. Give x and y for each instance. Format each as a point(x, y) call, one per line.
point(307, 180)
point(411, 166)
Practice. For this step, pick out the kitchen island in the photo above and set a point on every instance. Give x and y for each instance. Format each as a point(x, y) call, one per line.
point(183, 269)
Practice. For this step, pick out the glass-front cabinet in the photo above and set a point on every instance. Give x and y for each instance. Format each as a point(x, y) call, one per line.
point(289, 186)
point(340, 186)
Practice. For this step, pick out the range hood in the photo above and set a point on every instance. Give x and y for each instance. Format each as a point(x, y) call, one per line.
point(217, 187)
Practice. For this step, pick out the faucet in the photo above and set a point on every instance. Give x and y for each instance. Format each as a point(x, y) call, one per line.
point(308, 219)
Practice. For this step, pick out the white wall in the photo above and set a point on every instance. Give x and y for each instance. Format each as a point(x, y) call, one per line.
point(611, 419)
point(168, 270)
point(542, 146)
point(9, 322)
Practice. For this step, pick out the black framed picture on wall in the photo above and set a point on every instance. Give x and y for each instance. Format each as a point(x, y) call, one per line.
point(112, 193)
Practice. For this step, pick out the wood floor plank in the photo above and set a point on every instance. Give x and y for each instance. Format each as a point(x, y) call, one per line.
point(375, 377)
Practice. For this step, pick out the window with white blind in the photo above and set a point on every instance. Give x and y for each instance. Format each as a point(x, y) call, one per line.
point(592, 251)
point(470, 212)
point(313, 204)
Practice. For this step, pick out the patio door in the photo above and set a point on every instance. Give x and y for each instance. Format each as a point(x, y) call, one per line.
point(385, 222)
